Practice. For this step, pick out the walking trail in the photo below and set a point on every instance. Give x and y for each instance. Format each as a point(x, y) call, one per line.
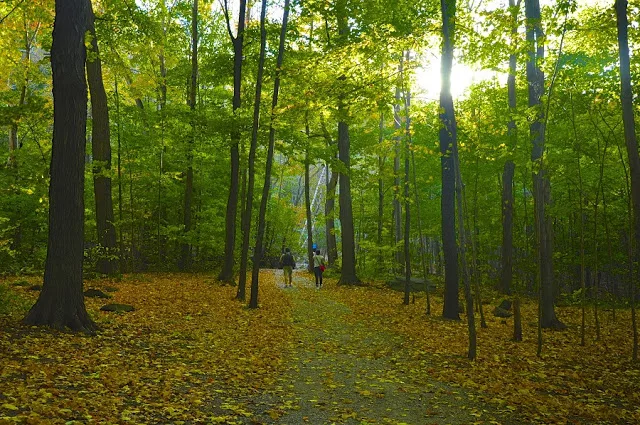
point(343, 371)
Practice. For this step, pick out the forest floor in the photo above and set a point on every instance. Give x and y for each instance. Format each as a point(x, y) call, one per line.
point(190, 353)
point(346, 371)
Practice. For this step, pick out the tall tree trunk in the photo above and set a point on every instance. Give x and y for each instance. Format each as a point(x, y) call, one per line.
point(61, 302)
point(248, 211)
point(407, 209)
point(541, 183)
point(226, 274)
point(101, 151)
point(466, 275)
point(381, 162)
point(267, 175)
point(120, 198)
point(506, 276)
point(448, 138)
point(348, 273)
point(397, 207)
point(185, 262)
point(626, 95)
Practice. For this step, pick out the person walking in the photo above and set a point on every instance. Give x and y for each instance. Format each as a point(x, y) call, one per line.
point(318, 268)
point(288, 263)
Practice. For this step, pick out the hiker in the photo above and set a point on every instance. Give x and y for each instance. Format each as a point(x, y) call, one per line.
point(318, 268)
point(288, 264)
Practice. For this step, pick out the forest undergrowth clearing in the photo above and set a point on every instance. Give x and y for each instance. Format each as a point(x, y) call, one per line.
point(190, 353)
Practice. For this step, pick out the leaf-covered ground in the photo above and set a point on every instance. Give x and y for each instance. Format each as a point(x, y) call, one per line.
point(190, 354)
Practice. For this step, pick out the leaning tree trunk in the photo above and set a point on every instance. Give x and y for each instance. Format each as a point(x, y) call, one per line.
point(101, 151)
point(61, 302)
point(541, 183)
point(448, 138)
point(267, 175)
point(628, 119)
point(185, 261)
point(226, 274)
point(246, 230)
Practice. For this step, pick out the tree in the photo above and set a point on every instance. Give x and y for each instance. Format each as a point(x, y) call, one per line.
point(348, 272)
point(226, 274)
point(626, 96)
point(506, 276)
point(541, 183)
point(185, 262)
point(448, 138)
point(246, 219)
point(101, 151)
point(61, 302)
point(267, 176)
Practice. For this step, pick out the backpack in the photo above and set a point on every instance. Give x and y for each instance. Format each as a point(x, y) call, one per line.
point(287, 260)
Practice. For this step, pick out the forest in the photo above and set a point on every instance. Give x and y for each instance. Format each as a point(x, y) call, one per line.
point(468, 169)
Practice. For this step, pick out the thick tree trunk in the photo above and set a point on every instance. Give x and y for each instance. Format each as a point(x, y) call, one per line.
point(448, 138)
point(348, 273)
point(267, 175)
point(101, 151)
point(626, 96)
point(61, 302)
point(541, 183)
point(185, 261)
point(226, 274)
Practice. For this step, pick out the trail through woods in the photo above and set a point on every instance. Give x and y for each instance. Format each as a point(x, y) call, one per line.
point(341, 370)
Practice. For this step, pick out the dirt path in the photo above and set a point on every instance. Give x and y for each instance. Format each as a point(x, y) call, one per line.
point(350, 373)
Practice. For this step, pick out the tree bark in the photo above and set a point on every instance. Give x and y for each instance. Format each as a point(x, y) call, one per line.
point(541, 183)
point(381, 161)
point(101, 151)
point(397, 207)
point(185, 261)
point(226, 274)
point(267, 175)
point(248, 211)
point(448, 137)
point(626, 96)
point(348, 274)
point(506, 276)
point(61, 302)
